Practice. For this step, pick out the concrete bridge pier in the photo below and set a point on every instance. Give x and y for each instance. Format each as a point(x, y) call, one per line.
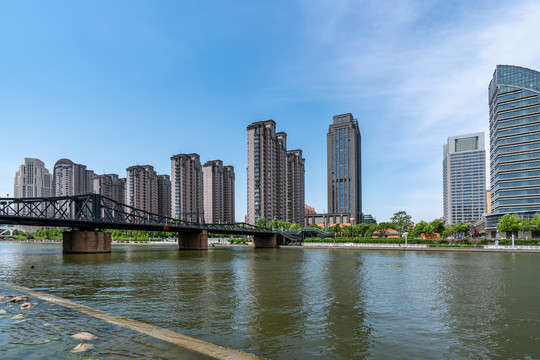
point(77, 241)
point(193, 241)
point(266, 241)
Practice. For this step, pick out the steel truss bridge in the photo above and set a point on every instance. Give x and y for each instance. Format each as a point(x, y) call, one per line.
point(92, 211)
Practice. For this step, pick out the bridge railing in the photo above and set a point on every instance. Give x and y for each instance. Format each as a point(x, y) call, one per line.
point(97, 211)
point(90, 207)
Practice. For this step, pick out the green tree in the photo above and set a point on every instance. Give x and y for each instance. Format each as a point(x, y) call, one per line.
point(462, 227)
point(438, 226)
point(450, 230)
point(365, 230)
point(535, 224)
point(261, 222)
point(525, 225)
point(336, 229)
point(401, 221)
point(419, 229)
point(509, 224)
point(359, 229)
point(295, 227)
point(371, 229)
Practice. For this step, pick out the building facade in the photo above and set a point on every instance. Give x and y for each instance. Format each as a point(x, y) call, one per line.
point(218, 192)
point(281, 206)
point(32, 179)
point(142, 188)
point(514, 139)
point(268, 186)
point(111, 186)
point(229, 206)
point(344, 168)
point(187, 188)
point(464, 178)
point(213, 191)
point(72, 179)
point(295, 187)
point(309, 210)
point(164, 195)
point(263, 171)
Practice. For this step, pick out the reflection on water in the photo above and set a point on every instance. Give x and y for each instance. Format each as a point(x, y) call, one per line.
point(305, 303)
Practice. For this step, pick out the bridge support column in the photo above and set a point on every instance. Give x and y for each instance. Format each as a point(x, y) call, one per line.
point(266, 241)
point(193, 241)
point(86, 242)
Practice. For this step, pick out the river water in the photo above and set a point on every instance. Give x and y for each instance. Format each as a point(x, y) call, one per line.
point(290, 303)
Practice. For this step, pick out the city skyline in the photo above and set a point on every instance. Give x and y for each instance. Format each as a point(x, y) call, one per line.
point(110, 86)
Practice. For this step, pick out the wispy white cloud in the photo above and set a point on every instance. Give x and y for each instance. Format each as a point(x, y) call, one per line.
point(429, 67)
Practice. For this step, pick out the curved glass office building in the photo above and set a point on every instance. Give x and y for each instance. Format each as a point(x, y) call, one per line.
point(514, 133)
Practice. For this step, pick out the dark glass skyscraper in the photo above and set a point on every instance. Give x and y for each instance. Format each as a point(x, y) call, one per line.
point(514, 127)
point(514, 137)
point(344, 167)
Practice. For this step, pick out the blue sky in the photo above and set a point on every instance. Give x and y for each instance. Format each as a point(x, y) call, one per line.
point(115, 84)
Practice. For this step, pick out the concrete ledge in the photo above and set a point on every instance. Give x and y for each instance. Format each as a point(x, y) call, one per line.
point(412, 247)
point(75, 242)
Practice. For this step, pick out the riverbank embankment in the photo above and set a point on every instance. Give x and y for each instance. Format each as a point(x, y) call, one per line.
point(423, 247)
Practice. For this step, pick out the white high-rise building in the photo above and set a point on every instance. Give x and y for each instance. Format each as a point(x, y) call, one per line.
point(32, 180)
point(464, 178)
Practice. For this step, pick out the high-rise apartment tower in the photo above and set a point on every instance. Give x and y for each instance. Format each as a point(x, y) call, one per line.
point(218, 184)
point(111, 186)
point(464, 178)
point(344, 167)
point(229, 207)
point(164, 195)
point(187, 188)
point(295, 187)
point(142, 188)
point(269, 189)
point(72, 179)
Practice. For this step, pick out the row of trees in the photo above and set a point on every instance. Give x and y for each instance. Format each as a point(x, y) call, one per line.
point(437, 226)
point(277, 224)
point(400, 222)
point(511, 224)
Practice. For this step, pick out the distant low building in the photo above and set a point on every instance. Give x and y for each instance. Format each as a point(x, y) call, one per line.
point(326, 220)
point(308, 210)
point(387, 233)
point(369, 219)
